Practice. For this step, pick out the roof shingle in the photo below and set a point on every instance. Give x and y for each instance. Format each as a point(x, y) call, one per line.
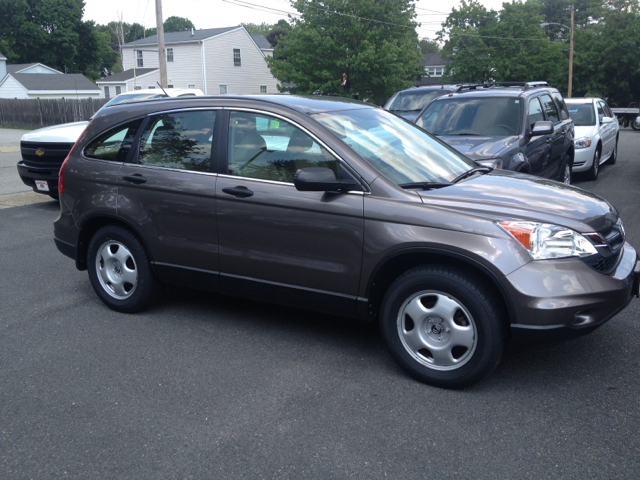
point(69, 81)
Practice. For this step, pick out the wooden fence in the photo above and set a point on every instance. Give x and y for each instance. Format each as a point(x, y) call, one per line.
point(36, 113)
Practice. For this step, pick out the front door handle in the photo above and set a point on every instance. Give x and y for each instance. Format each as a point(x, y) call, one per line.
point(241, 192)
point(135, 178)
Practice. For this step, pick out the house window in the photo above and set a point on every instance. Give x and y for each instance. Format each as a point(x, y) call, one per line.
point(118, 89)
point(106, 92)
point(169, 86)
point(263, 89)
point(151, 87)
point(169, 54)
point(139, 63)
point(237, 61)
point(191, 86)
point(137, 87)
point(435, 71)
point(223, 89)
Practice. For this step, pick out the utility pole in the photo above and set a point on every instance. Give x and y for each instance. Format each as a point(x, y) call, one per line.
point(571, 54)
point(162, 56)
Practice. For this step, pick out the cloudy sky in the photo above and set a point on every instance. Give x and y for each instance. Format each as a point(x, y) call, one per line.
point(227, 13)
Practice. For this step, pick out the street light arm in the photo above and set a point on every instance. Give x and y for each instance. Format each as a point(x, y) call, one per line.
point(551, 23)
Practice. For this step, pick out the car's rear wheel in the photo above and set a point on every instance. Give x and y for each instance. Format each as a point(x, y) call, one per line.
point(595, 168)
point(443, 327)
point(120, 271)
point(635, 124)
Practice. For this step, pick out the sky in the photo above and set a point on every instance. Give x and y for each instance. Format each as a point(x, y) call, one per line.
point(228, 13)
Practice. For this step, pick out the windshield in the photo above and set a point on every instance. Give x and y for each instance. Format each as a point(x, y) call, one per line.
point(412, 100)
point(492, 116)
point(397, 149)
point(582, 114)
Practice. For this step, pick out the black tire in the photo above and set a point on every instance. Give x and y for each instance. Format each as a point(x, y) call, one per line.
point(119, 270)
point(468, 339)
point(54, 196)
point(614, 155)
point(595, 168)
point(634, 124)
point(565, 174)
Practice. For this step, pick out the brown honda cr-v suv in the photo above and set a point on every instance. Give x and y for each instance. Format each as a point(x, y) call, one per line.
point(339, 206)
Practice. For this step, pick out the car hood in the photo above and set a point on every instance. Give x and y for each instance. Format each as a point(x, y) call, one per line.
point(65, 133)
point(505, 195)
point(586, 131)
point(477, 148)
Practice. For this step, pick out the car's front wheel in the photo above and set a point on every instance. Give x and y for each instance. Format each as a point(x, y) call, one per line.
point(443, 327)
point(565, 171)
point(120, 271)
point(614, 154)
point(595, 168)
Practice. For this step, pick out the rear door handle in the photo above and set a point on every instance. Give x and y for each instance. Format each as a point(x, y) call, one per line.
point(241, 192)
point(135, 178)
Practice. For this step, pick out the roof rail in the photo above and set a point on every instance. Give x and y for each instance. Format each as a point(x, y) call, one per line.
point(526, 85)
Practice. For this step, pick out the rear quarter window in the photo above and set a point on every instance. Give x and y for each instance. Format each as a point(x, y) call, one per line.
point(115, 143)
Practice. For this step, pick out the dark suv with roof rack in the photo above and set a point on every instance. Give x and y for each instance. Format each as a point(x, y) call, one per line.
point(410, 102)
point(513, 126)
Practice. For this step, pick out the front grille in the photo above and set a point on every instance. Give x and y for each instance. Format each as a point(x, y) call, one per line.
point(607, 258)
point(53, 154)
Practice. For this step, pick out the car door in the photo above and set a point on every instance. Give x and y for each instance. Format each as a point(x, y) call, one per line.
point(605, 129)
point(537, 149)
point(555, 140)
point(278, 243)
point(167, 192)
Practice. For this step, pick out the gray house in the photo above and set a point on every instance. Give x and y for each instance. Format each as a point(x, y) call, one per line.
point(36, 80)
point(434, 66)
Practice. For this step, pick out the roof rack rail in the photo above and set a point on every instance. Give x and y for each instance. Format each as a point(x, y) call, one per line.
point(526, 85)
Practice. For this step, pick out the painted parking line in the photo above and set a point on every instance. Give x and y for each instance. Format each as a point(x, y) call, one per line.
point(9, 149)
point(22, 199)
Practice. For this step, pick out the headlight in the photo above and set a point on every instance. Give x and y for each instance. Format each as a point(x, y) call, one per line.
point(582, 142)
point(544, 241)
point(490, 162)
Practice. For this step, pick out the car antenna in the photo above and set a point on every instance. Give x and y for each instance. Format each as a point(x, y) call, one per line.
point(163, 91)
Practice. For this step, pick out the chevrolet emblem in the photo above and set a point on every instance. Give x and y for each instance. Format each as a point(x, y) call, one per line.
point(39, 152)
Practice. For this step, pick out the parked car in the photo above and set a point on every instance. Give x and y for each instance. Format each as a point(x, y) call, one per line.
point(524, 127)
point(596, 132)
point(44, 150)
point(410, 102)
point(342, 207)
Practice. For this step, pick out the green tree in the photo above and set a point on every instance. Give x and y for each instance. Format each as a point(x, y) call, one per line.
point(373, 41)
point(177, 24)
point(429, 46)
point(261, 29)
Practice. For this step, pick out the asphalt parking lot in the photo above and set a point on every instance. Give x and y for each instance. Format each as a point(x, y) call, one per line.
point(205, 386)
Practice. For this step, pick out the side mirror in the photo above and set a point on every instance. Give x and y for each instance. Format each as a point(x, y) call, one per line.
point(320, 179)
point(542, 127)
point(606, 120)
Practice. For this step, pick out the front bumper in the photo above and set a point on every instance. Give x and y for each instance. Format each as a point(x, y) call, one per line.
point(558, 299)
point(583, 158)
point(29, 174)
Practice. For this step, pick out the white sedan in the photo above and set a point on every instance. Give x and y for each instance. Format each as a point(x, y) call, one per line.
point(596, 134)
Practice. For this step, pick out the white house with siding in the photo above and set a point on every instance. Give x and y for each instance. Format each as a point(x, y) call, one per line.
point(216, 61)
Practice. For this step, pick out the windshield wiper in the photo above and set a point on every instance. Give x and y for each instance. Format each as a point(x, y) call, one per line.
point(466, 134)
point(424, 185)
point(468, 173)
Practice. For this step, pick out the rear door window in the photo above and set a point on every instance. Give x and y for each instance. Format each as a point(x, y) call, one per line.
point(562, 106)
point(179, 140)
point(550, 109)
point(114, 144)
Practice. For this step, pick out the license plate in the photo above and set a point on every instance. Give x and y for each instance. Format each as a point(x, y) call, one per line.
point(42, 185)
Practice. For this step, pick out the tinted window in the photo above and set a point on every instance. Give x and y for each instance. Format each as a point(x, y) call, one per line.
point(562, 107)
point(398, 150)
point(497, 116)
point(550, 109)
point(607, 110)
point(411, 101)
point(115, 143)
point(179, 140)
point(583, 114)
point(535, 112)
point(600, 110)
point(271, 149)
